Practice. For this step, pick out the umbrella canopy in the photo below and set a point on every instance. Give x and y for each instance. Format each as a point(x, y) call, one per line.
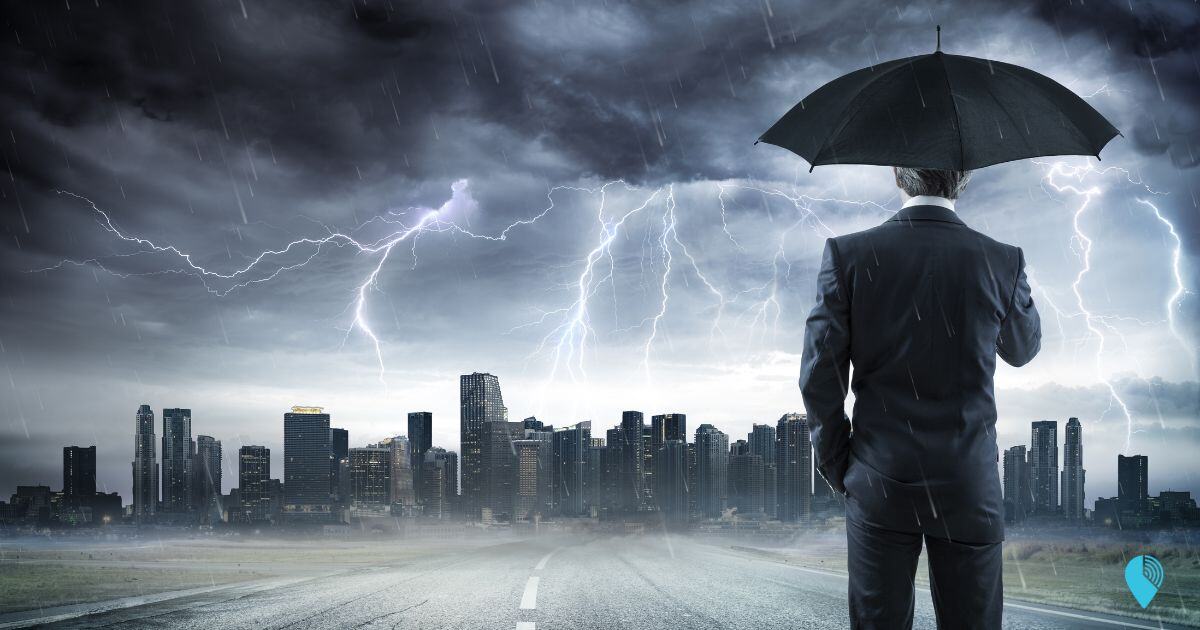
point(940, 111)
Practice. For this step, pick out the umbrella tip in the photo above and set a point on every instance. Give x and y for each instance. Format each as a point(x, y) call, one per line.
point(939, 38)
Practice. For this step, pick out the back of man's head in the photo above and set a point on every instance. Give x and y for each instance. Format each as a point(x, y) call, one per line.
point(930, 181)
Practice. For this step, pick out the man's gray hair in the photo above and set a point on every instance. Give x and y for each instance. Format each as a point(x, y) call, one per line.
point(931, 181)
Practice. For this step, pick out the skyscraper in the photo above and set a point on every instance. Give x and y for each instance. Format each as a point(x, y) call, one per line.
point(526, 488)
point(420, 439)
point(762, 443)
point(403, 491)
point(177, 452)
point(1043, 465)
point(307, 465)
point(339, 443)
point(254, 476)
point(79, 471)
point(1073, 472)
point(670, 475)
point(438, 475)
point(632, 447)
point(370, 471)
point(712, 470)
point(570, 447)
point(498, 467)
point(1017, 498)
point(746, 481)
point(145, 465)
point(480, 402)
point(794, 467)
point(206, 478)
point(1133, 483)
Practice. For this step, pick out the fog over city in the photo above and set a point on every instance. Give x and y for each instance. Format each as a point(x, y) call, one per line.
point(568, 197)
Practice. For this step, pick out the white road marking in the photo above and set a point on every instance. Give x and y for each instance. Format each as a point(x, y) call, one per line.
point(526, 625)
point(1048, 611)
point(542, 563)
point(529, 598)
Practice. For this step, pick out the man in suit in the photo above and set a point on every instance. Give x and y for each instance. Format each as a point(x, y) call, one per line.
point(920, 305)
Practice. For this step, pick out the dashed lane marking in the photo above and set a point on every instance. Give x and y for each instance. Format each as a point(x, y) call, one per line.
point(529, 598)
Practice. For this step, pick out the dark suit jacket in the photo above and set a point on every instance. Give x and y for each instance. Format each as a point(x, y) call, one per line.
point(921, 305)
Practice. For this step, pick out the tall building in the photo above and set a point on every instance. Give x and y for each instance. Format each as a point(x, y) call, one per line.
point(693, 483)
point(370, 471)
point(254, 477)
point(712, 470)
point(663, 427)
point(177, 452)
point(206, 479)
point(770, 491)
point(339, 443)
point(1073, 472)
point(794, 468)
point(746, 481)
point(438, 482)
point(403, 491)
point(79, 471)
point(570, 448)
point(670, 475)
point(1043, 467)
point(420, 440)
point(480, 402)
point(1133, 483)
point(762, 443)
point(525, 492)
point(1017, 498)
point(498, 468)
point(632, 446)
point(307, 466)
point(145, 465)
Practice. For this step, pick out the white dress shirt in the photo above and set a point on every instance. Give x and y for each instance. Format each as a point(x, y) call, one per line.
point(929, 200)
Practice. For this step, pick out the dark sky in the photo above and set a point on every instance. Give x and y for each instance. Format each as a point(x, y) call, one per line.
point(155, 151)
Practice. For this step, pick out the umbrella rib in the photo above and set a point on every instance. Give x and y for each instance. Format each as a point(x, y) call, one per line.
point(962, 154)
point(857, 106)
point(1087, 142)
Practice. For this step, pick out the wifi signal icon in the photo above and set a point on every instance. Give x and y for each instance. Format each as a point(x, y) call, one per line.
point(1144, 575)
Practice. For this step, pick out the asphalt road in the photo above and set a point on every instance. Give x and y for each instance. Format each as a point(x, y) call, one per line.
point(645, 583)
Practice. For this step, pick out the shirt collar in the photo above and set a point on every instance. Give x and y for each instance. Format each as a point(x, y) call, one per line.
point(929, 200)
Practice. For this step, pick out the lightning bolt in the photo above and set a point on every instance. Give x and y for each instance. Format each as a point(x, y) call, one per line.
point(1097, 325)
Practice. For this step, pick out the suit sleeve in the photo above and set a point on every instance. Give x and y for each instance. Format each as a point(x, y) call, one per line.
point(824, 370)
point(1021, 331)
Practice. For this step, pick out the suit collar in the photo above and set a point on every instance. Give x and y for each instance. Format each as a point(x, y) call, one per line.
point(927, 213)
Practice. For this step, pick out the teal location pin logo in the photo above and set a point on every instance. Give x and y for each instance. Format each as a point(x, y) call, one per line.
point(1144, 575)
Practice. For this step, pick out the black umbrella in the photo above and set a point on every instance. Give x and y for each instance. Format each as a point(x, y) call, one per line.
point(940, 111)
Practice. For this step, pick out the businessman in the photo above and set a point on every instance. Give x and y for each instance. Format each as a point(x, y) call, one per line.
point(920, 305)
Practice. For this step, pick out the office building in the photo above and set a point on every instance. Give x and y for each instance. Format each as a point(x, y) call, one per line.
point(1133, 483)
point(1073, 473)
point(438, 485)
point(712, 470)
point(177, 452)
point(420, 440)
point(403, 489)
point(762, 443)
point(670, 475)
point(307, 466)
point(1043, 467)
point(145, 465)
point(339, 443)
point(632, 448)
point(370, 471)
point(794, 468)
point(525, 492)
point(746, 481)
point(570, 448)
point(480, 402)
point(498, 468)
point(79, 471)
point(206, 479)
point(1018, 501)
point(254, 476)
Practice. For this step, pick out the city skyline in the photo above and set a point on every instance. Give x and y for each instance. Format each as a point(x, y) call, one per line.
point(490, 138)
point(1053, 492)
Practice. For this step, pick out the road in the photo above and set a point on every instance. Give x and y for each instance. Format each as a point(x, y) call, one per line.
point(548, 584)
